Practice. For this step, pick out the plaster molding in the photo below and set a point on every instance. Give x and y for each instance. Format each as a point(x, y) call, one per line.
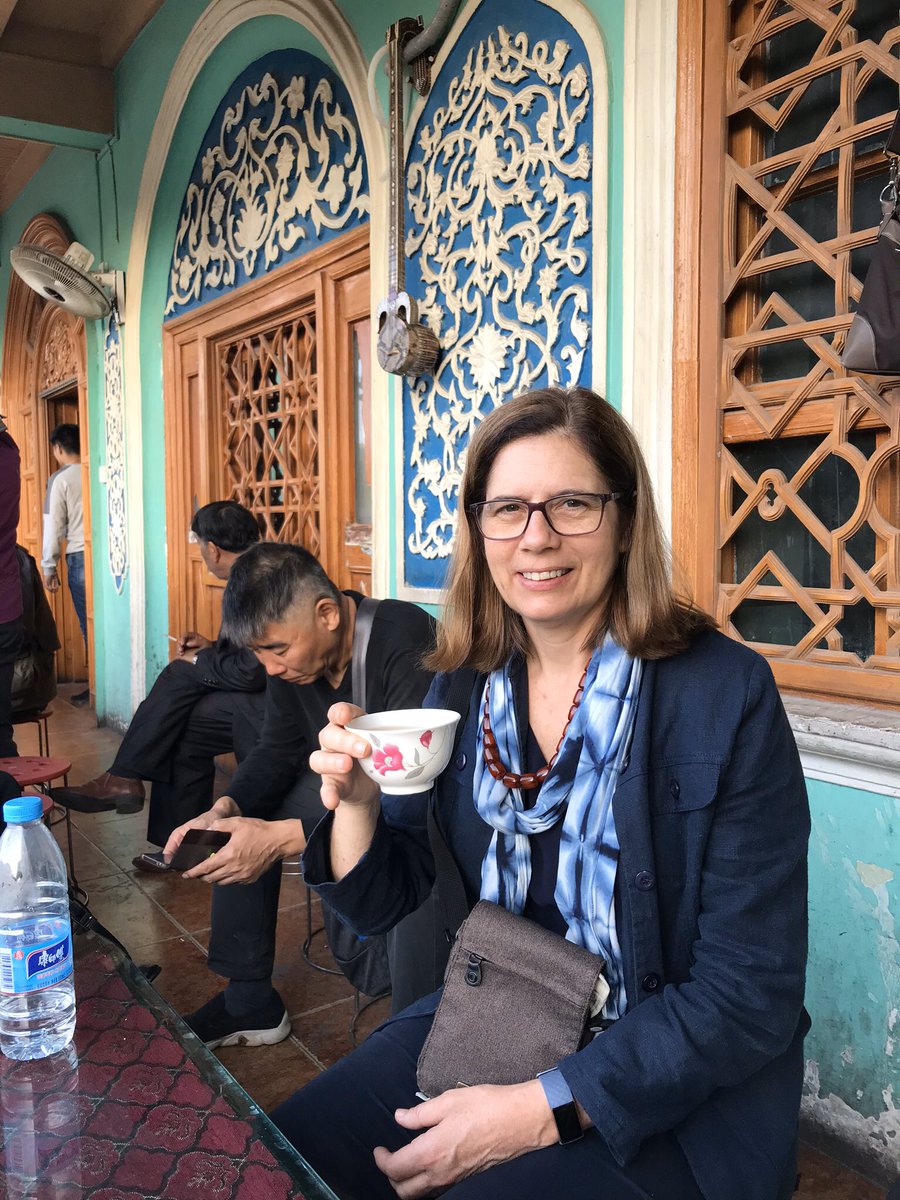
point(847, 744)
point(324, 20)
point(648, 234)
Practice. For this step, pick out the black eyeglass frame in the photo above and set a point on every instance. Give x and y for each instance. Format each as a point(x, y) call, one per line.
point(541, 506)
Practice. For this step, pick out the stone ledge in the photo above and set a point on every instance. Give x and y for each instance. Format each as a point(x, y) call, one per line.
point(847, 744)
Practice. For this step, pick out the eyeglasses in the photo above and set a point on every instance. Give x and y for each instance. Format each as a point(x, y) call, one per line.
point(577, 512)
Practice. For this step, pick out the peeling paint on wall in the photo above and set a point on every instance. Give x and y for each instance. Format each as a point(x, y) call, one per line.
point(878, 1137)
point(873, 877)
point(853, 982)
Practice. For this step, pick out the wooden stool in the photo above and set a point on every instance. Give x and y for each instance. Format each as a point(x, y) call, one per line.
point(39, 719)
point(31, 770)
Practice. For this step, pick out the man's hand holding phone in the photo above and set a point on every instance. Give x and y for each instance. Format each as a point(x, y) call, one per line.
point(253, 845)
point(196, 847)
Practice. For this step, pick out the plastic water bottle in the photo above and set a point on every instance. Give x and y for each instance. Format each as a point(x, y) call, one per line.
point(37, 991)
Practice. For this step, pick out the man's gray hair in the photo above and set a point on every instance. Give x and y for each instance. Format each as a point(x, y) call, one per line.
point(265, 584)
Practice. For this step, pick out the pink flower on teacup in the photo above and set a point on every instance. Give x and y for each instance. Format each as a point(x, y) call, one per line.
point(388, 759)
point(425, 739)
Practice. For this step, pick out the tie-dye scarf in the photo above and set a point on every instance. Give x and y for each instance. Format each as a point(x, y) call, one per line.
point(579, 790)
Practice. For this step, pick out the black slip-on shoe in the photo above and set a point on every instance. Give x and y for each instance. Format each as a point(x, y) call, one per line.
point(214, 1024)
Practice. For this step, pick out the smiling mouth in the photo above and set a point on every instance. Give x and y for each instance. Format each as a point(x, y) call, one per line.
point(538, 576)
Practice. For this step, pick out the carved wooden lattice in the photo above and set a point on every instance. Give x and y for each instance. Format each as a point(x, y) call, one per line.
point(809, 475)
point(271, 429)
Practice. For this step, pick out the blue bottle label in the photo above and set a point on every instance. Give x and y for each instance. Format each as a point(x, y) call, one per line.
point(41, 958)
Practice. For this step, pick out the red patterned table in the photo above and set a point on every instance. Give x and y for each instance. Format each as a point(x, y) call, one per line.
point(137, 1107)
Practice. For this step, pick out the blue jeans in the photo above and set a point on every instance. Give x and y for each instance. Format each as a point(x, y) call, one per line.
point(75, 575)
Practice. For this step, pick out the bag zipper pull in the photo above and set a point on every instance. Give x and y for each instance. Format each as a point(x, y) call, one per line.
point(473, 970)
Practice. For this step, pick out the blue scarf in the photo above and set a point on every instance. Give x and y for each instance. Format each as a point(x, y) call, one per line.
point(579, 791)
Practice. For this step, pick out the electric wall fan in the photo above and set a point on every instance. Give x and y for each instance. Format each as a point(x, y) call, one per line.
point(69, 281)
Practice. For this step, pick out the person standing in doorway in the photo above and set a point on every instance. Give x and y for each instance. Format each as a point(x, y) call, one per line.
point(64, 518)
point(10, 588)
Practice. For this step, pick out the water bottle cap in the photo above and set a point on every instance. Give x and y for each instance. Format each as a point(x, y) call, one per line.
point(25, 808)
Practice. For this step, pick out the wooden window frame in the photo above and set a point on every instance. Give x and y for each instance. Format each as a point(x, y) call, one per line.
point(698, 335)
point(311, 284)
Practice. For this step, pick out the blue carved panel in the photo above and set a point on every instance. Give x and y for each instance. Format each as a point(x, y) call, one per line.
point(499, 247)
point(280, 171)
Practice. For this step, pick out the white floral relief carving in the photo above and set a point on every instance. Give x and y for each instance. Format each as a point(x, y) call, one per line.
point(286, 159)
point(501, 231)
point(114, 411)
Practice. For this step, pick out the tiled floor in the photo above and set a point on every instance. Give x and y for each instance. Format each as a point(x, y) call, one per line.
point(165, 919)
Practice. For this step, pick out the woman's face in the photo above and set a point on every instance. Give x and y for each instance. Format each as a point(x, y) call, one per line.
point(556, 583)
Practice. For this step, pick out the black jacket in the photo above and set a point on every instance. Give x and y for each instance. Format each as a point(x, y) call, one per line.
point(34, 676)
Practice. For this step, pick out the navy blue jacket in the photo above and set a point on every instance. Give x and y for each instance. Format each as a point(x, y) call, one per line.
point(713, 822)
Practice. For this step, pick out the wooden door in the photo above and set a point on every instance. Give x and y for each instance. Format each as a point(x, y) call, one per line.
point(44, 355)
point(71, 659)
point(265, 390)
point(351, 330)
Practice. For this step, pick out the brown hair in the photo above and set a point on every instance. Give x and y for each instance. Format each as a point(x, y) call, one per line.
point(643, 614)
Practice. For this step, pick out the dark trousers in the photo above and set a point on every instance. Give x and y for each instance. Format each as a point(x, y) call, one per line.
point(174, 736)
point(75, 577)
point(10, 645)
point(338, 1118)
point(245, 915)
point(218, 723)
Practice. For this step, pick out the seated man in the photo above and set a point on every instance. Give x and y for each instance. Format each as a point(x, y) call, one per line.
point(189, 713)
point(281, 603)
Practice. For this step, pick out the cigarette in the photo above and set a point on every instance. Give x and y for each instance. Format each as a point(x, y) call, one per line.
point(171, 639)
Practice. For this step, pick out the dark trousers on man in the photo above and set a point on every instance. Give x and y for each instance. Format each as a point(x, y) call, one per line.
point(245, 915)
point(10, 646)
point(174, 737)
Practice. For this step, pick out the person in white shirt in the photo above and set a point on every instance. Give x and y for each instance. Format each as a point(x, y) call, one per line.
point(64, 519)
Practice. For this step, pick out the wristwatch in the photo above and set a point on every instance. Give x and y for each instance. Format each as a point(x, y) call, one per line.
point(562, 1104)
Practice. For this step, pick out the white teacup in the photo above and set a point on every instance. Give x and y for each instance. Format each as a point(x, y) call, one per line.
point(410, 747)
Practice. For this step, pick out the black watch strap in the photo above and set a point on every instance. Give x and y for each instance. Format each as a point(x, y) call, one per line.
point(562, 1105)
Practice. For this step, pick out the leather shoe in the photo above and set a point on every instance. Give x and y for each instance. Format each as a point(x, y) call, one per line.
point(150, 861)
point(102, 794)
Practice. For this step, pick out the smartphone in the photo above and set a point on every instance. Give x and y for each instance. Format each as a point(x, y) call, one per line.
point(196, 847)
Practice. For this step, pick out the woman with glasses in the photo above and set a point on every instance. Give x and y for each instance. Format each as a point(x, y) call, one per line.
point(626, 777)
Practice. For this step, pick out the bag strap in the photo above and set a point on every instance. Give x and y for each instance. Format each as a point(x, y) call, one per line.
point(362, 631)
point(449, 889)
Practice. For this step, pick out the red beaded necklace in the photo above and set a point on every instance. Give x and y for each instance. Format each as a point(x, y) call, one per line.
point(531, 779)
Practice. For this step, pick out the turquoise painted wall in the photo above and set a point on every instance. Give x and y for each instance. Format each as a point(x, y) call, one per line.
point(853, 992)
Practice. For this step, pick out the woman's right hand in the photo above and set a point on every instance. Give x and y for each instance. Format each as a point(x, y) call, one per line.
point(343, 782)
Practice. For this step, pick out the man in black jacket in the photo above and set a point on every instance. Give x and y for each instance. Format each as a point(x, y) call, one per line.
point(189, 715)
point(280, 602)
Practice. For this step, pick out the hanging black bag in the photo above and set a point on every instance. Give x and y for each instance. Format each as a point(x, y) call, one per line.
point(873, 339)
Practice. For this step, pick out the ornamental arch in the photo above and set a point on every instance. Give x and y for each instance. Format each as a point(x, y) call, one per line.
point(45, 383)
